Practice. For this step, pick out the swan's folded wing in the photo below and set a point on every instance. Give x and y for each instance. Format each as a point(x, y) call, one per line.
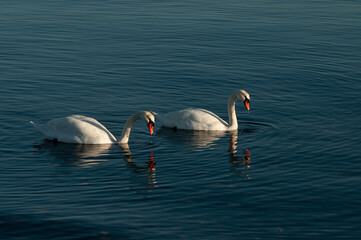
point(193, 119)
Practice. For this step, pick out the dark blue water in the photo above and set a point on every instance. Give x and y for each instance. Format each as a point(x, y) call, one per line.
point(293, 171)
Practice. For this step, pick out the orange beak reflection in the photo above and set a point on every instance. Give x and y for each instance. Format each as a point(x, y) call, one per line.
point(151, 126)
point(246, 103)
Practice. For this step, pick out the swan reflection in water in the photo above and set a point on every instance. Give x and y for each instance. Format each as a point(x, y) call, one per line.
point(192, 139)
point(80, 155)
point(239, 163)
point(198, 140)
point(149, 168)
point(90, 155)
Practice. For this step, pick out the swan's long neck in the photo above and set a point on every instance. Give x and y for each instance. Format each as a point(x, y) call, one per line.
point(233, 124)
point(128, 127)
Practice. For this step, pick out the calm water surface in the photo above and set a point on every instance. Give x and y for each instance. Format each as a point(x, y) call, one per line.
point(292, 171)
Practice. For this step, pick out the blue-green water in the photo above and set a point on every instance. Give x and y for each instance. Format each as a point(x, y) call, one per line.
point(293, 171)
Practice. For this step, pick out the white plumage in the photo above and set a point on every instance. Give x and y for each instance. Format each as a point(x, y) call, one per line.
point(204, 120)
point(86, 130)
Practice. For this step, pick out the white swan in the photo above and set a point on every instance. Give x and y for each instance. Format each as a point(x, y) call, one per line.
point(201, 119)
point(86, 130)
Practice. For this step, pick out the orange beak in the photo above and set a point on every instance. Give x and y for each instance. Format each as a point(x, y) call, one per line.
point(150, 126)
point(246, 103)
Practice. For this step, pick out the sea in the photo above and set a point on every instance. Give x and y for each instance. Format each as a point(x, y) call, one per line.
point(291, 171)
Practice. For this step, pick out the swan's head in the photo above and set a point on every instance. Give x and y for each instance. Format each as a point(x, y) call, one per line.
point(149, 119)
point(244, 97)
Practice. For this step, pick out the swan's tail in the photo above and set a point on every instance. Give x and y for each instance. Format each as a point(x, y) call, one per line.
point(34, 124)
point(154, 113)
point(38, 127)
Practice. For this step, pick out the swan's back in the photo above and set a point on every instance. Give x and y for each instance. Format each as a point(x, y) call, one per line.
point(193, 119)
point(76, 129)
